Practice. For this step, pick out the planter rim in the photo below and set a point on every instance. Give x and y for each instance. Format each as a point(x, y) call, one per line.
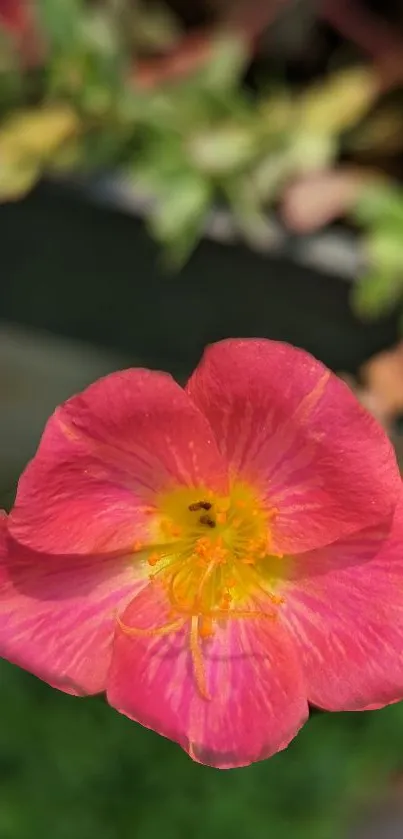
point(334, 251)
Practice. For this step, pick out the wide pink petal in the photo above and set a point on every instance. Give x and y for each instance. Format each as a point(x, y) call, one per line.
point(257, 701)
point(103, 457)
point(58, 615)
point(344, 607)
point(290, 427)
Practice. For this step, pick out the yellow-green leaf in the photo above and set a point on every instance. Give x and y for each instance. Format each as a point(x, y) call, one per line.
point(221, 150)
point(339, 103)
point(16, 181)
point(36, 134)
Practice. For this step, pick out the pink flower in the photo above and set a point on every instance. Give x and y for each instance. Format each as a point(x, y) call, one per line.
point(213, 557)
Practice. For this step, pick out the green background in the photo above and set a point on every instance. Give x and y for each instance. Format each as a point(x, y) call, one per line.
point(75, 769)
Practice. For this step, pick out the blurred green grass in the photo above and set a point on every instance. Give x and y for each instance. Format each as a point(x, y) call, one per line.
point(75, 768)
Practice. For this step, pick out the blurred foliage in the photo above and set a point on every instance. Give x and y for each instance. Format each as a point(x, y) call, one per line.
point(82, 99)
point(379, 211)
point(75, 768)
point(188, 143)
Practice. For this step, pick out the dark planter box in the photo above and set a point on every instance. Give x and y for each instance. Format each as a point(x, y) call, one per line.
point(91, 272)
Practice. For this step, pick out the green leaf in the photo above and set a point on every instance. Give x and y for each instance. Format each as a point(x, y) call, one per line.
point(380, 202)
point(270, 173)
point(226, 64)
point(246, 206)
point(377, 294)
point(385, 250)
point(36, 134)
point(221, 150)
point(379, 291)
point(160, 166)
point(179, 214)
point(16, 181)
point(155, 28)
point(60, 20)
point(309, 152)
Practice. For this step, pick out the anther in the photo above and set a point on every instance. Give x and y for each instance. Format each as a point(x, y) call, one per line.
point(226, 600)
point(206, 519)
point(199, 505)
point(206, 628)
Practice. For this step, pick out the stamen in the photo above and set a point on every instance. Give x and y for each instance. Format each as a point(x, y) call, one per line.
point(197, 658)
point(277, 599)
point(238, 614)
point(226, 601)
point(205, 576)
point(202, 546)
point(170, 529)
point(159, 630)
point(180, 605)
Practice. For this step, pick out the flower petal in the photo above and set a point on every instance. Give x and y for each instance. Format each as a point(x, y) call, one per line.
point(257, 702)
point(103, 457)
point(289, 426)
point(58, 615)
point(344, 607)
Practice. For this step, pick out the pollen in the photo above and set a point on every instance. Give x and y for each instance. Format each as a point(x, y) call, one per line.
point(176, 531)
point(212, 558)
point(206, 629)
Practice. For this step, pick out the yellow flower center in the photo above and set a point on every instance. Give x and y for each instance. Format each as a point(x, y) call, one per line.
point(212, 556)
